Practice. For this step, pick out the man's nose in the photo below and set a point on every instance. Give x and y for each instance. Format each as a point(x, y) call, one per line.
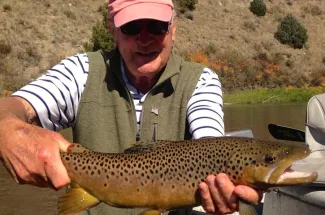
point(144, 37)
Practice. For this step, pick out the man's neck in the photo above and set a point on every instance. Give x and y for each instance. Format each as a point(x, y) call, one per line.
point(143, 83)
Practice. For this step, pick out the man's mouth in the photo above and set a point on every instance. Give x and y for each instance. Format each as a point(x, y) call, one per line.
point(146, 53)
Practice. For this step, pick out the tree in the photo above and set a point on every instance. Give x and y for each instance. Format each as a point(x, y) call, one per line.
point(291, 32)
point(101, 38)
point(186, 5)
point(258, 7)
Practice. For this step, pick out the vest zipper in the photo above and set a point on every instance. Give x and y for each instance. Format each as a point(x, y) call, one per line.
point(155, 111)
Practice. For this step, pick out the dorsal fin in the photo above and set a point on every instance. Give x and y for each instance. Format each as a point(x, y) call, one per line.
point(146, 146)
point(77, 148)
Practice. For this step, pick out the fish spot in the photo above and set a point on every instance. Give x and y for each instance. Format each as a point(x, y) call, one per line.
point(126, 179)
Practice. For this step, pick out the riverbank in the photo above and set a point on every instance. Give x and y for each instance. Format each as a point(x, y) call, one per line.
point(259, 96)
point(279, 95)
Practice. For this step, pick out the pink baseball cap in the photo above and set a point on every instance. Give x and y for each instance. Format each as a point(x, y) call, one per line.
point(124, 11)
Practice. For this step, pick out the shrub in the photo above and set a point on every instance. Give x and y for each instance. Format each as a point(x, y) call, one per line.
point(258, 7)
point(7, 7)
point(5, 48)
point(70, 14)
point(186, 5)
point(291, 32)
point(189, 15)
point(312, 9)
point(318, 78)
point(101, 38)
point(5, 67)
point(210, 49)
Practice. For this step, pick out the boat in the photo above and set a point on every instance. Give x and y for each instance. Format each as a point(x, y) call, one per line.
point(307, 199)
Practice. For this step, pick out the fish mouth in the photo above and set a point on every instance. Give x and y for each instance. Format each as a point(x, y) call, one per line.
point(285, 176)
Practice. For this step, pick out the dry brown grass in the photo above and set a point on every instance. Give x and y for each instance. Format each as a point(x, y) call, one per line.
point(41, 33)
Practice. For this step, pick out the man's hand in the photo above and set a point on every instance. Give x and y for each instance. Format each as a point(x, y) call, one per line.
point(220, 196)
point(30, 153)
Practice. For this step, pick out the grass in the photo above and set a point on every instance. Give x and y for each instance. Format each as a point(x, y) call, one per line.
point(280, 95)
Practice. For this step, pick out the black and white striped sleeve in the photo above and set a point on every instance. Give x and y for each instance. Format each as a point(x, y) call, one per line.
point(204, 109)
point(55, 95)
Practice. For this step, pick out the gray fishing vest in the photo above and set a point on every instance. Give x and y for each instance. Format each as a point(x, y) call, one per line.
point(106, 118)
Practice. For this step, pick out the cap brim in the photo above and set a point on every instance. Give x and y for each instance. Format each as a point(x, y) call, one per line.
point(143, 11)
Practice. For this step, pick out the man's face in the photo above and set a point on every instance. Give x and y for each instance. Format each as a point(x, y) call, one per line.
point(145, 54)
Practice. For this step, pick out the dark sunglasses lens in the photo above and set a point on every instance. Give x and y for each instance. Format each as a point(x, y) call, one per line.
point(157, 27)
point(131, 28)
point(153, 27)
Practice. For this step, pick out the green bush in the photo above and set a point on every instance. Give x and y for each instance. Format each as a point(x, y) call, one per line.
point(101, 38)
point(186, 5)
point(291, 32)
point(258, 7)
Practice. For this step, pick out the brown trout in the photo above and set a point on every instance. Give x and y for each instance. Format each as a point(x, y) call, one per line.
point(164, 175)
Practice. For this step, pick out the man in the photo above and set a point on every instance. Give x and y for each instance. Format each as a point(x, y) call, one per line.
point(139, 91)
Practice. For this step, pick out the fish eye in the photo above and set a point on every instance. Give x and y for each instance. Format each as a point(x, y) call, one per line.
point(270, 158)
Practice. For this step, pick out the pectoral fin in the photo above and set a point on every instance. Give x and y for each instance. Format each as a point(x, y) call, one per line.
point(76, 200)
point(246, 209)
point(150, 212)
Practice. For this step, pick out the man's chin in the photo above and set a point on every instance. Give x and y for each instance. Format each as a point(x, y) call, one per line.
point(151, 67)
point(147, 69)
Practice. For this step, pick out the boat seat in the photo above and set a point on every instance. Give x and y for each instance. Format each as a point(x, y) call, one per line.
point(315, 139)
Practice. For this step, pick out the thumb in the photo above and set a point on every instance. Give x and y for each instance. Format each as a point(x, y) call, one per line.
point(64, 145)
point(248, 194)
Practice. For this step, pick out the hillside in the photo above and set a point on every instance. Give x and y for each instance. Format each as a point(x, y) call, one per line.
point(36, 34)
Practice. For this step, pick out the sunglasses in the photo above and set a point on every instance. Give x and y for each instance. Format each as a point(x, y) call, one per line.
point(154, 27)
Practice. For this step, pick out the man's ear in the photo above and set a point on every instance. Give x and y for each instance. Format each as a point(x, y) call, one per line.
point(174, 31)
point(110, 26)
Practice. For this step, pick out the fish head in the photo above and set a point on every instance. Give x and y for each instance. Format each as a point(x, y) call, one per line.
point(268, 164)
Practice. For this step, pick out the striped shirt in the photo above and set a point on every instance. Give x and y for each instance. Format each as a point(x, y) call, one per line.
point(55, 97)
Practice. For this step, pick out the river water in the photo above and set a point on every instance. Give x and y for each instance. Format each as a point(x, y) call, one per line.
point(27, 200)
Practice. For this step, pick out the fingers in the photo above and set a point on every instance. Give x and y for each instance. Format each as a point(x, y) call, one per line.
point(226, 189)
point(54, 169)
point(32, 154)
point(248, 194)
point(217, 195)
point(10, 169)
point(206, 199)
point(64, 144)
